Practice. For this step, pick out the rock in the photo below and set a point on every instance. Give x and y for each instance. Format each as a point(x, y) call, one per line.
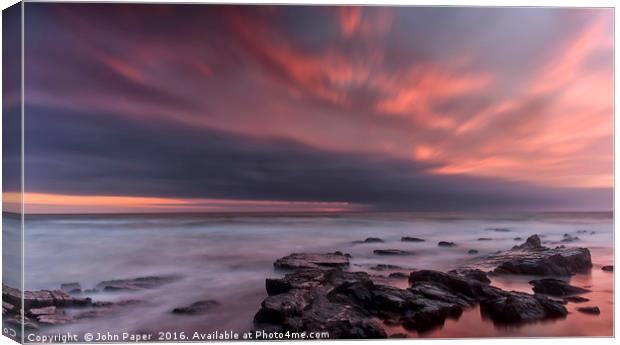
point(384, 267)
point(50, 316)
point(517, 307)
point(370, 240)
point(555, 287)
point(301, 260)
point(569, 238)
point(398, 335)
point(485, 239)
point(498, 229)
point(391, 252)
point(411, 239)
point(474, 274)
point(42, 311)
point(134, 284)
point(196, 307)
point(398, 275)
point(589, 310)
point(41, 298)
point(71, 288)
point(8, 308)
point(582, 231)
point(472, 251)
point(531, 258)
point(576, 299)
point(609, 268)
point(518, 239)
point(446, 244)
point(592, 232)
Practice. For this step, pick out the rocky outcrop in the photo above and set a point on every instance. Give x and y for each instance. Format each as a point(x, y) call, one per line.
point(353, 305)
point(302, 260)
point(556, 287)
point(532, 258)
point(41, 298)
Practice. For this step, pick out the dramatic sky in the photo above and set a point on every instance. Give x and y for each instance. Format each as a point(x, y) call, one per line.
point(244, 108)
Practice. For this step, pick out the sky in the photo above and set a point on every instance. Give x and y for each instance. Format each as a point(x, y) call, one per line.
point(183, 108)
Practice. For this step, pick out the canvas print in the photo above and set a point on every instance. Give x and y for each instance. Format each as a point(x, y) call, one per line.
point(198, 172)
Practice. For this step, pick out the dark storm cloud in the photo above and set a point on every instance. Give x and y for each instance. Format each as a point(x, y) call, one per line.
point(99, 155)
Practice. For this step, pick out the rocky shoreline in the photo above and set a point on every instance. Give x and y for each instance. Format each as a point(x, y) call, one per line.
point(321, 292)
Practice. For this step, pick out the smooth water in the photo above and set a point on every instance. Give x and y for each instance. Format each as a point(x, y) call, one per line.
point(227, 258)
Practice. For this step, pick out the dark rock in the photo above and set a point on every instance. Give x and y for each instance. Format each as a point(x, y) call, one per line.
point(556, 287)
point(485, 239)
point(41, 298)
point(498, 229)
point(569, 238)
point(398, 275)
point(472, 251)
point(398, 335)
point(134, 284)
point(518, 239)
point(576, 299)
point(370, 240)
point(301, 260)
point(446, 244)
point(609, 268)
point(517, 307)
point(391, 252)
point(196, 307)
point(474, 274)
point(531, 258)
point(384, 267)
point(411, 239)
point(277, 286)
point(71, 288)
point(589, 310)
point(8, 308)
point(582, 231)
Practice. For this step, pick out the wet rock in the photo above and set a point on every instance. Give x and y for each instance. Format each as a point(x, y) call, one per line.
point(370, 240)
point(302, 260)
point(42, 311)
point(50, 316)
point(517, 307)
point(609, 268)
point(589, 310)
point(518, 239)
point(8, 308)
point(41, 298)
point(385, 267)
point(582, 231)
point(531, 258)
point(498, 229)
point(472, 251)
point(398, 275)
point(391, 252)
point(485, 239)
point(71, 288)
point(576, 299)
point(446, 244)
point(556, 287)
point(134, 284)
point(474, 274)
point(411, 239)
point(199, 307)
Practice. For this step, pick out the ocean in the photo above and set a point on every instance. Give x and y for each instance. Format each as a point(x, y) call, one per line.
point(226, 258)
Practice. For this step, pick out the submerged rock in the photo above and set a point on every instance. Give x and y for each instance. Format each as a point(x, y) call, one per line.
point(485, 239)
point(609, 268)
point(398, 275)
point(498, 229)
point(532, 258)
point(446, 244)
point(384, 267)
point(556, 287)
point(391, 252)
point(302, 260)
point(134, 284)
point(196, 307)
point(370, 240)
point(472, 251)
point(589, 310)
point(569, 238)
point(411, 239)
